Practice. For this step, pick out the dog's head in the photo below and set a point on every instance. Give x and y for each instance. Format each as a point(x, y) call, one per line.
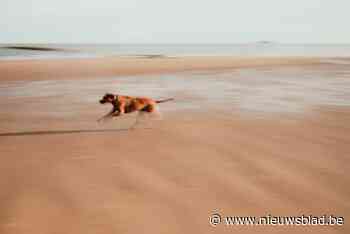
point(108, 98)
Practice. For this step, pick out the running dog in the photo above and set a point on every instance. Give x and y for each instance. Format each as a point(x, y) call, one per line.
point(126, 104)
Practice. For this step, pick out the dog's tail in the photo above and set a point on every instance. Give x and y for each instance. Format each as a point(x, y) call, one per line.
point(164, 100)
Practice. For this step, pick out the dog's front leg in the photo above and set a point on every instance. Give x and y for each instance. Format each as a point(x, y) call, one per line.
point(108, 115)
point(120, 111)
point(117, 113)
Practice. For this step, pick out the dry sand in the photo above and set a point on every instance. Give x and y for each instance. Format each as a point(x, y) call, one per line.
point(166, 176)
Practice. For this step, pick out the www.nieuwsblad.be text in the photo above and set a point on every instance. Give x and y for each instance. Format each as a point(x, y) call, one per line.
point(302, 220)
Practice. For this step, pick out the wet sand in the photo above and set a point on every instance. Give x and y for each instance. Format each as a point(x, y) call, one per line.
point(214, 150)
point(112, 66)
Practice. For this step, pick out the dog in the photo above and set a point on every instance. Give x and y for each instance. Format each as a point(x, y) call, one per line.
point(127, 104)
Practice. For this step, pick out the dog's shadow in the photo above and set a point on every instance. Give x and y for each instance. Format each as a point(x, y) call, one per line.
point(139, 123)
point(56, 132)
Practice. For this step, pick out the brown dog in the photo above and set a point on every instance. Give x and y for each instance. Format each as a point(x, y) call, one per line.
point(126, 104)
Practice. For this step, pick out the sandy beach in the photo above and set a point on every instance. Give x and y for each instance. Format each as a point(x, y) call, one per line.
point(112, 66)
point(244, 137)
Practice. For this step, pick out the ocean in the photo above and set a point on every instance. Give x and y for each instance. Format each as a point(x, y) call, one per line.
point(249, 49)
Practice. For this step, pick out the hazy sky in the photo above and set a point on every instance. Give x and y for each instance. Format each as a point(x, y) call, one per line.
point(174, 21)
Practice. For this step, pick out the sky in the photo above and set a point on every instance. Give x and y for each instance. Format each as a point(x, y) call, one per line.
point(174, 21)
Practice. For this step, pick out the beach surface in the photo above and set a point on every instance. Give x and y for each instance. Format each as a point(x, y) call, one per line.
point(133, 65)
point(244, 137)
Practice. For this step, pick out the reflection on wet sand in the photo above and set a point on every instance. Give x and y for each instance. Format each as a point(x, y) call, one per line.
point(281, 91)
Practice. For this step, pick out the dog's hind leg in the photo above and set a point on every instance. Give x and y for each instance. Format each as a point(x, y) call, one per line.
point(136, 120)
point(152, 111)
point(156, 114)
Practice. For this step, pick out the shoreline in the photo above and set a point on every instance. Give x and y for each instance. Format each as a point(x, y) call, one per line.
point(87, 68)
